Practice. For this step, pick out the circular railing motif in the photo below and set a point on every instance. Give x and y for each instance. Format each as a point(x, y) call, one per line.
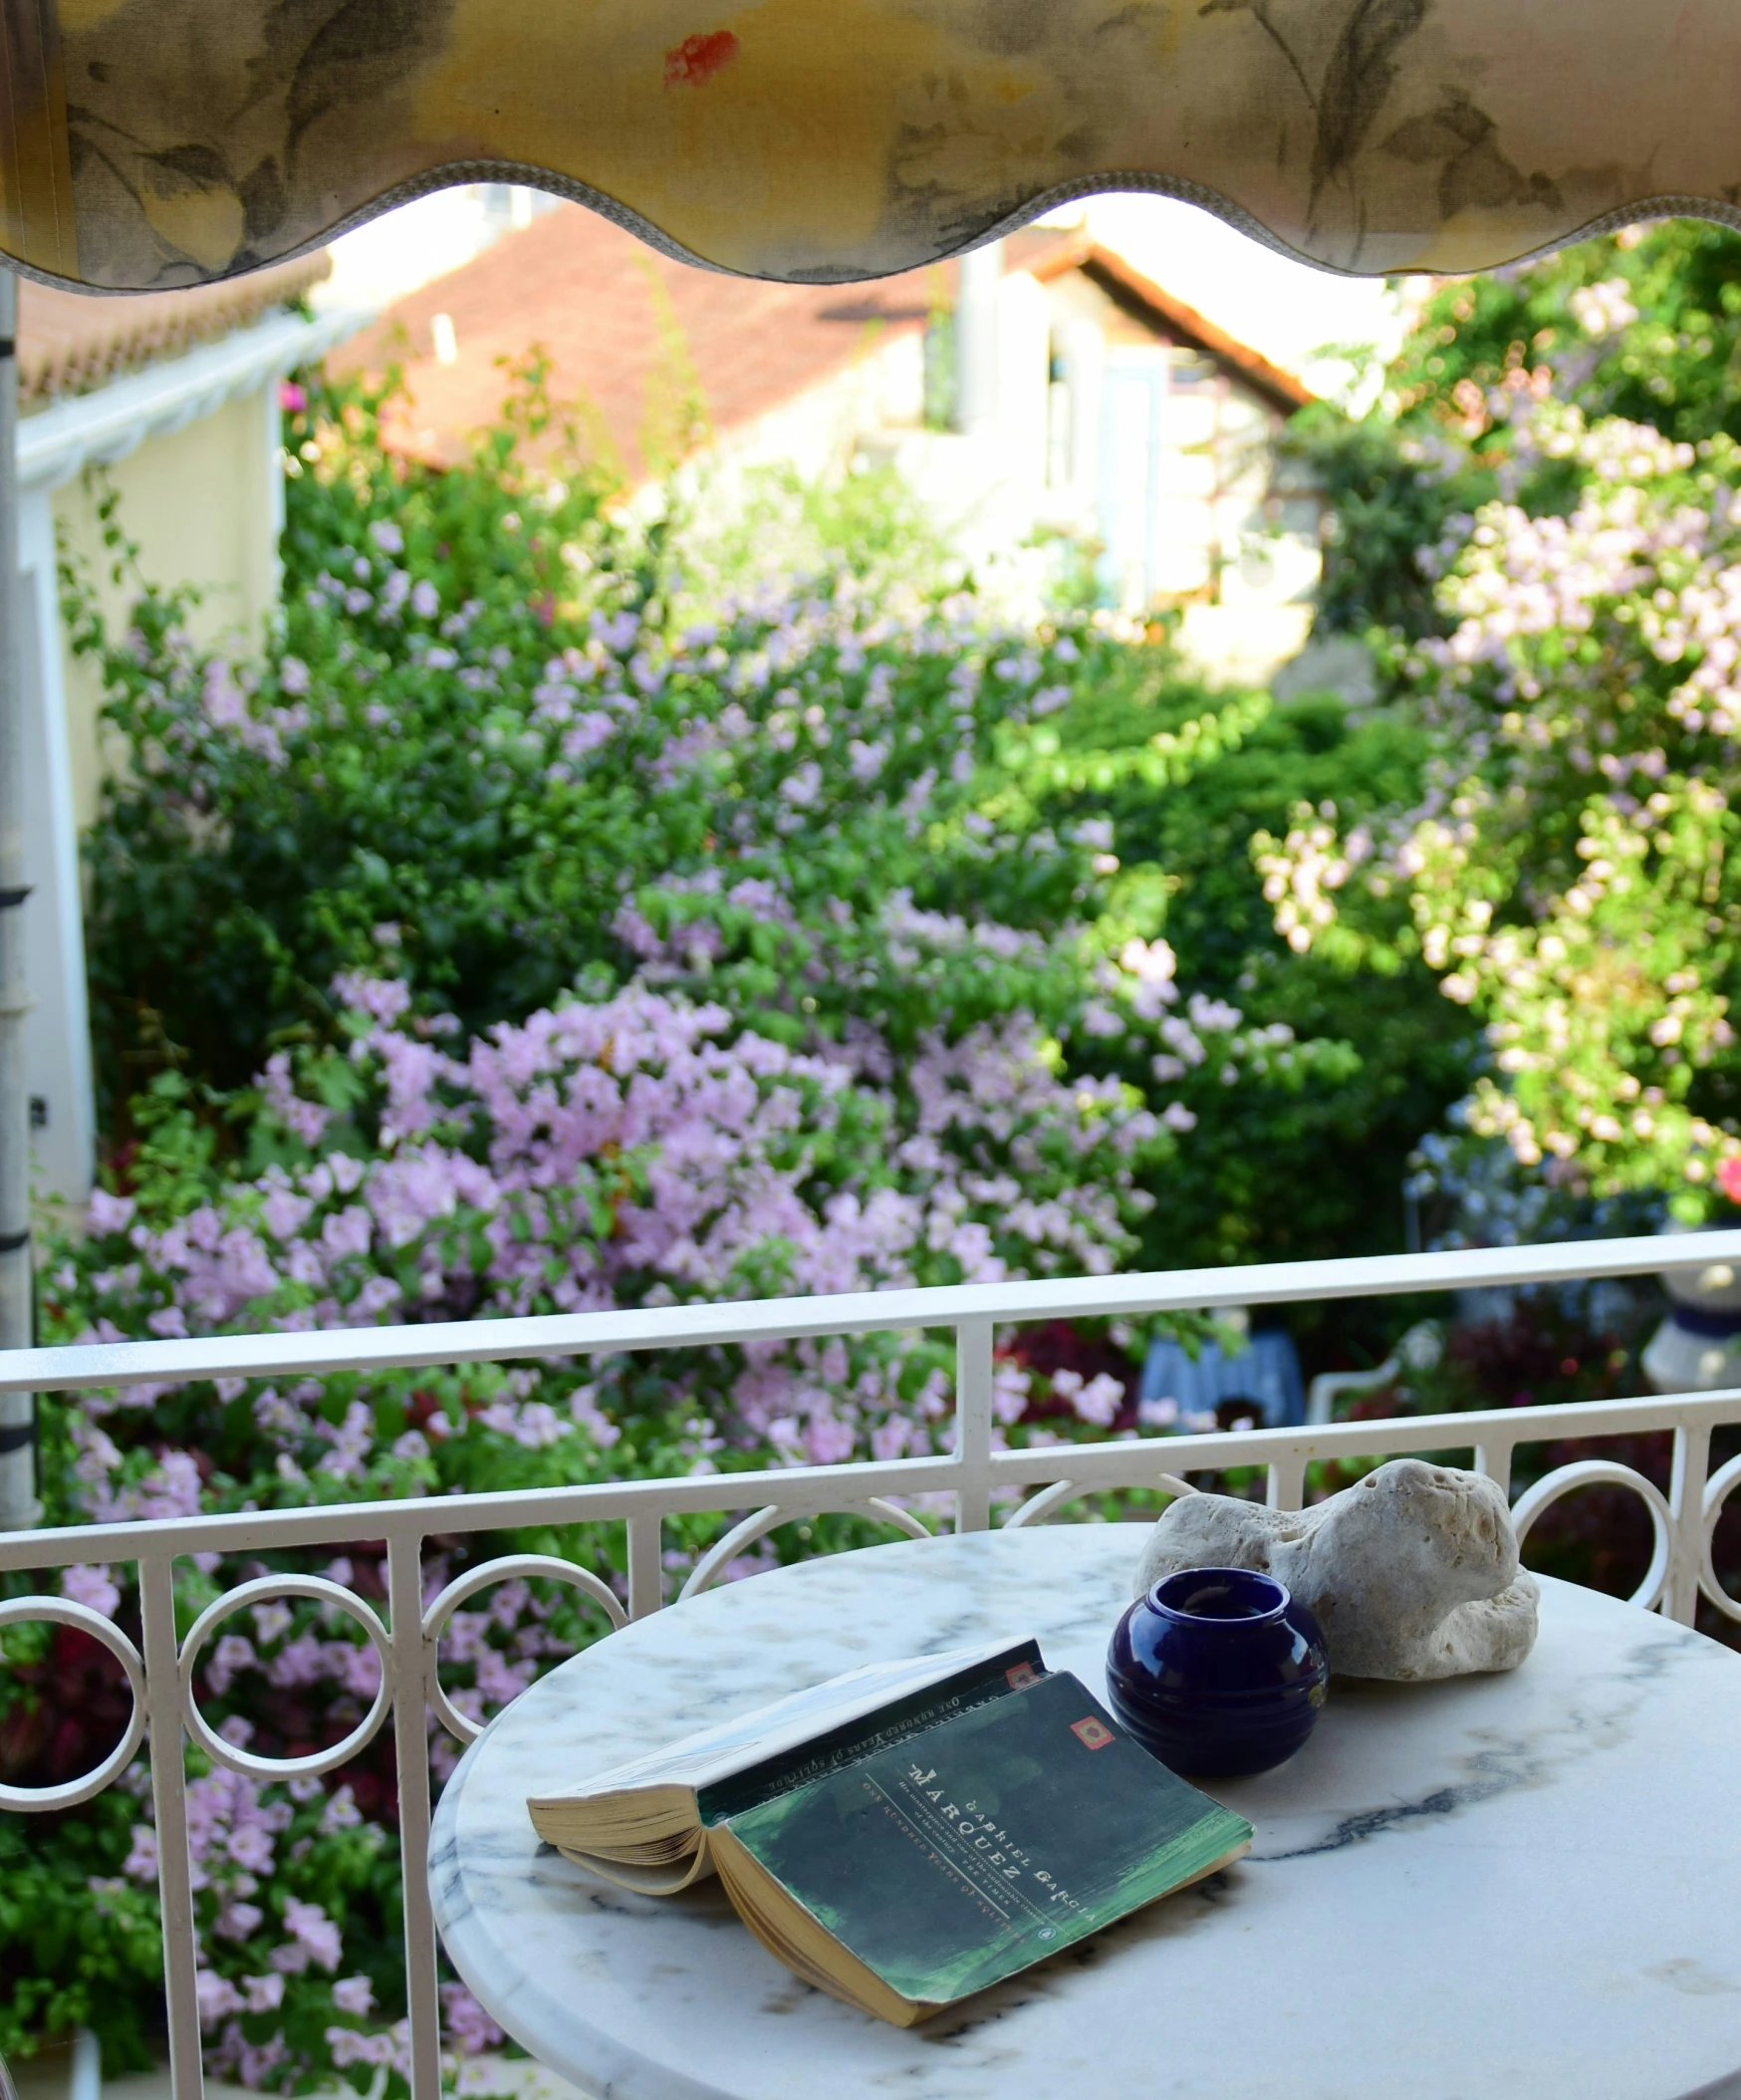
point(266, 1589)
point(1719, 1489)
point(708, 1569)
point(510, 1566)
point(1590, 1473)
point(62, 1611)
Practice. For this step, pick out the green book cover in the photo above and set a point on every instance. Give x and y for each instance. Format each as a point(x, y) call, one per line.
point(991, 1677)
point(988, 1841)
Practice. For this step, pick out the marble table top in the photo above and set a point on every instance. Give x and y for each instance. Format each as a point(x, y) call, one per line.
point(1500, 1888)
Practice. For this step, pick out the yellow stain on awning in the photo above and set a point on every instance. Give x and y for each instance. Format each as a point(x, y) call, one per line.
point(147, 142)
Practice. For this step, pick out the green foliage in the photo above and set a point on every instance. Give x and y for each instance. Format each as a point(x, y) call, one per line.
point(1568, 872)
point(227, 885)
point(1644, 325)
point(868, 525)
point(1310, 1158)
point(80, 1945)
point(1391, 491)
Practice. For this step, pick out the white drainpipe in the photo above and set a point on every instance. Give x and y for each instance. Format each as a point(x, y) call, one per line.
point(1085, 355)
point(976, 340)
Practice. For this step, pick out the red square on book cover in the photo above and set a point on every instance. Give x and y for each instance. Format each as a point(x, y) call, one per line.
point(1093, 1732)
point(1023, 1675)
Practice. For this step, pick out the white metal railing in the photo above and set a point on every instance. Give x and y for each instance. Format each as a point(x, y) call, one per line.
point(161, 1671)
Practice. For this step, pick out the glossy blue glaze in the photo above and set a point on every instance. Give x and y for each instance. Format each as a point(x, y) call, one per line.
point(1218, 1672)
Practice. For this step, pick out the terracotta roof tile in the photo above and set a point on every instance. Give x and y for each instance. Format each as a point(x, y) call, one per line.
point(69, 343)
point(622, 326)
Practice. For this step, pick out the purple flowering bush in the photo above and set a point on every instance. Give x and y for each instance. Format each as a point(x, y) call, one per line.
point(504, 751)
point(501, 748)
point(516, 933)
point(640, 1150)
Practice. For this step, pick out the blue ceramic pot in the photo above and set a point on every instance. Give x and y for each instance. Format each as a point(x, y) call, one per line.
point(1218, 1671)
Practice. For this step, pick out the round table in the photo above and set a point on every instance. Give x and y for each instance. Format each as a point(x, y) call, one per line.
point(1501, 1888)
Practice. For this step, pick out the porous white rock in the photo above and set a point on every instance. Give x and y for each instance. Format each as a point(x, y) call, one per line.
point(1412, 1573)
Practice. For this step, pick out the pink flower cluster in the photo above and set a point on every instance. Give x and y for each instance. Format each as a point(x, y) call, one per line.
point(640, 1150)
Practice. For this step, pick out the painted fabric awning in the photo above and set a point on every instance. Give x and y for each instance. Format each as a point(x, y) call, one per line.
point(146, 144)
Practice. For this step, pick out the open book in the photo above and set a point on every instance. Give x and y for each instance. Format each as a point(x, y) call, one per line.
point(910, 1832)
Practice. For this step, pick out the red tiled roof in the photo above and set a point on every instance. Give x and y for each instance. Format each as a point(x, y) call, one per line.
point(611, 315)
point(623, 325)
point(69, 343)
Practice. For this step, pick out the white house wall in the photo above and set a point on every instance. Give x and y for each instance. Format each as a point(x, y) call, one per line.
point(1023, 374)
point(818, 432)
point(1185, 442)
point(204, 505)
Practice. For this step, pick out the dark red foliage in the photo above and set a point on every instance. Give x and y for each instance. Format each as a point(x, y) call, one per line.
point(1056, 1345)
point(75, 1708)
point(1531, 1360)
point(1601, 1535)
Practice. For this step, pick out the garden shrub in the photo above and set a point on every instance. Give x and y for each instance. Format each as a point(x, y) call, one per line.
point(1541, 514)
point(634, 1150)
point(827, 804)
point(514, 935)
point(488, 755)
point(1644, 325)
point(1184, 780)
point(1569, 876)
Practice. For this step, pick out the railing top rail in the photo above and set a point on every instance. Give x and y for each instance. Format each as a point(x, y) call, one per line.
point(85, 1367)
point(805, 1488)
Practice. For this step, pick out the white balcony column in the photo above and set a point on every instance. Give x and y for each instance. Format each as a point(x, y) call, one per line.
point(57, 1036)
point(973, 1420)
point(1023, 380)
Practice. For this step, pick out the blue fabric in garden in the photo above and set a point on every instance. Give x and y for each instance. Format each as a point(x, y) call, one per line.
point(1266, 1371)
